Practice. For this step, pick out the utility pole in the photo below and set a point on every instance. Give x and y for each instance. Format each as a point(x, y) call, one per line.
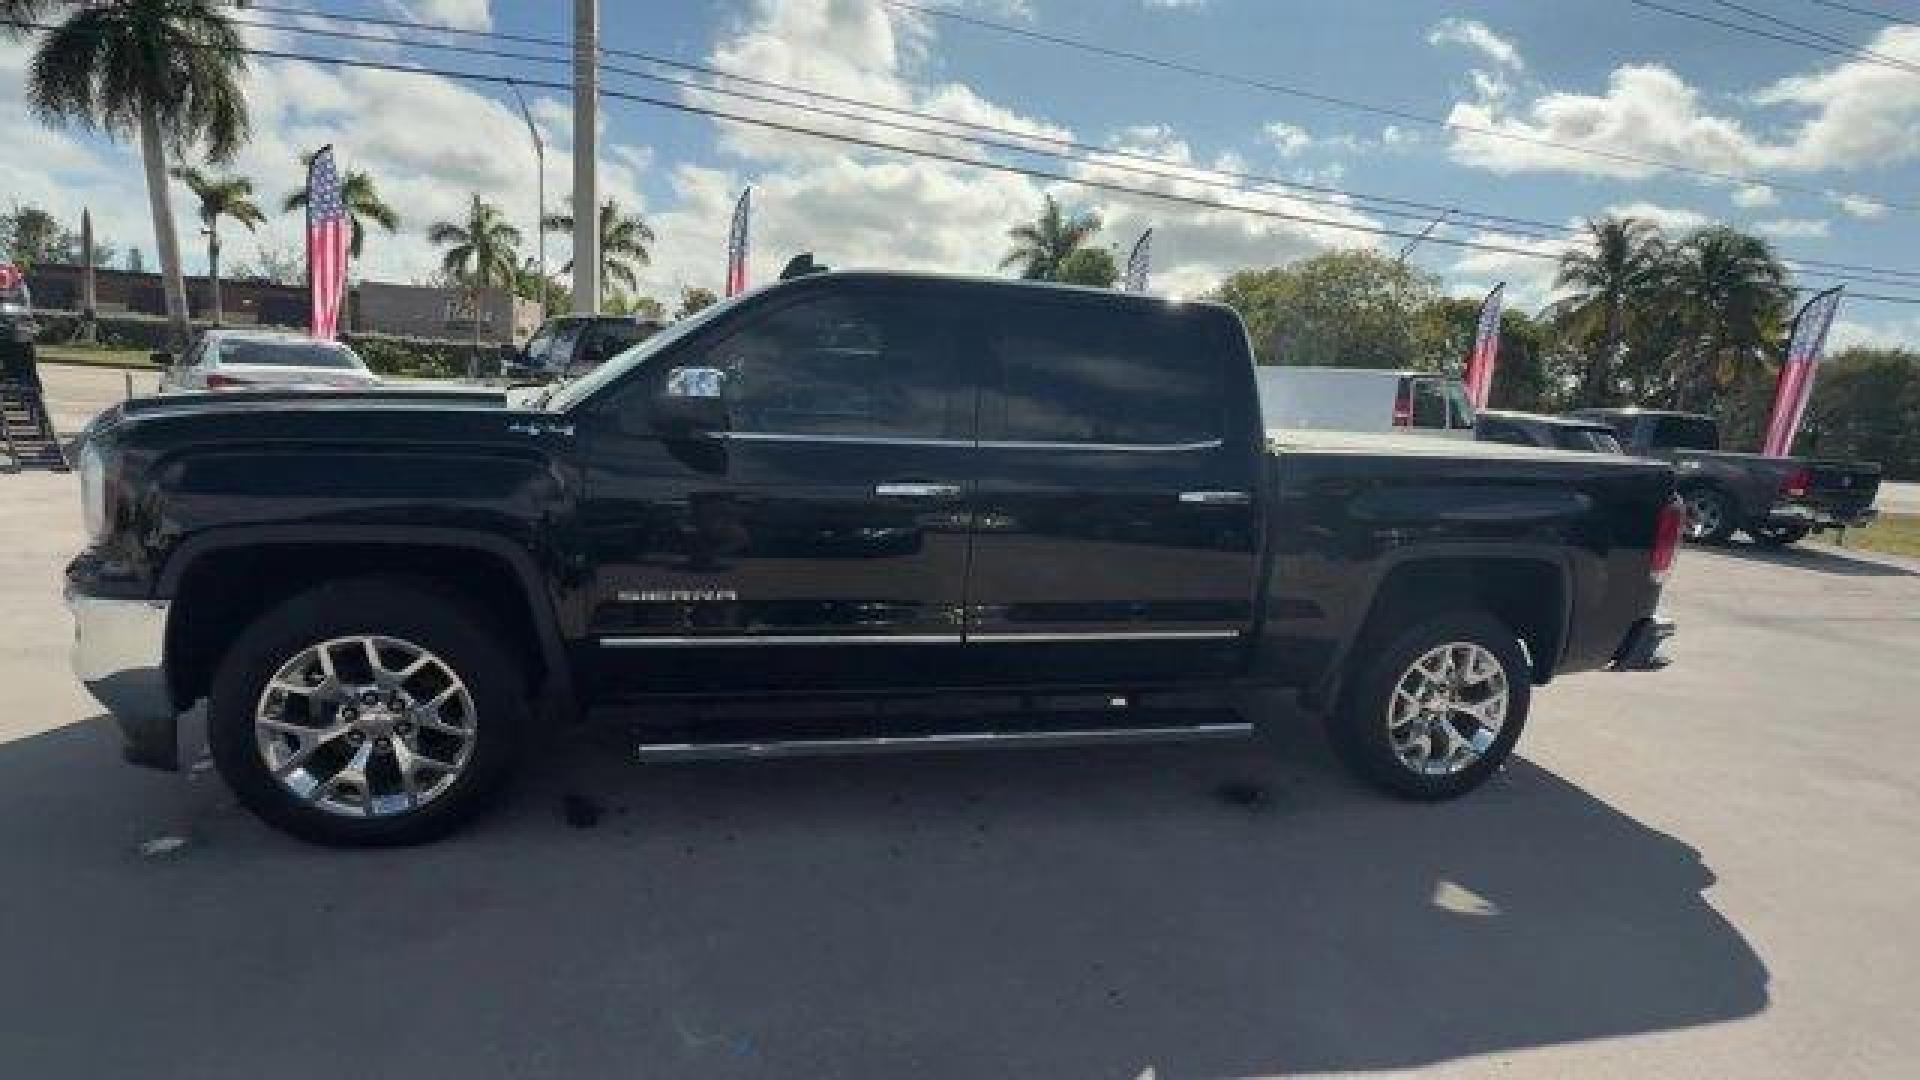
point(586, 138)
point(539, 221)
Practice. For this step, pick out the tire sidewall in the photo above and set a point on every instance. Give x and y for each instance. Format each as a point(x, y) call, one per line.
point(1359, 726)
point(437, 623)
point(1725, 529)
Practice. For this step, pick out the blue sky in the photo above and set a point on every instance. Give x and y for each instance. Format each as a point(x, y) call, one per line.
point(1612, 76)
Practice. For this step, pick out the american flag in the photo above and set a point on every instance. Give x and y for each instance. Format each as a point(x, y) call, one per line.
point(1486, 348)
point(737, 245)
point(1795, 388)
point(326, 245)
point(1135, 279)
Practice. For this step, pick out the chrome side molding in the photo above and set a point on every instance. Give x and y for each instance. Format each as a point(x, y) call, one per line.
point(883, 744)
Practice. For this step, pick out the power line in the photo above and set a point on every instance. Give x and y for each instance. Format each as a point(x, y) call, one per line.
point(1361, 106)
point(1865, 13)
point(1821, 35)
point(1847, 50)
point(937, 155)
point(1181, 171)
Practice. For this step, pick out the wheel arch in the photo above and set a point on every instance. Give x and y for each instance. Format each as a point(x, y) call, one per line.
point(220, 582)
point(1529, 590)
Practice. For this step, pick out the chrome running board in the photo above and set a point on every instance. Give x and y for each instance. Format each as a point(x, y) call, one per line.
point(888, 744)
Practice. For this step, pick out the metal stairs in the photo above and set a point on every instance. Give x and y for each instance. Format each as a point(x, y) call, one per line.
point(27, 438)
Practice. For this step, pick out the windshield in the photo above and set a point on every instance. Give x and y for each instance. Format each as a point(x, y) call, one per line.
point(282, 352)
point(565, 395)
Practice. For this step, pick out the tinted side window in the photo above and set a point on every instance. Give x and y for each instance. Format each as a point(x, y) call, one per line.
point(539, 345)
point(1685, 433)
point(1429, 404)
point(564, 337)
point(865, 366)
point(1587, 439)
point(1084, 373)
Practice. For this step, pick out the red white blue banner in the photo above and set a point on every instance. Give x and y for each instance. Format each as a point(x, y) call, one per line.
point(326, 246)
point(1795, 387)
point(1486, 348)
point(737, 244)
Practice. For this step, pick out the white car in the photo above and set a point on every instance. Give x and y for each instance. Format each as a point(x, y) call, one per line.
point(1364, 399)
point(259, 359)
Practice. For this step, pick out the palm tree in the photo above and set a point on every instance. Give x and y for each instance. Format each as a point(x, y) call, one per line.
point(363, 204)
point(623, 245)
point(220, 196)
point(166, 70)
point(1040, 248)
point(15, 14)
point(479, 253)
point(1611, 276)
point(1729, 291)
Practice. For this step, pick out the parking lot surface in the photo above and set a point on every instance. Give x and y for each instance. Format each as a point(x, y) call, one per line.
point(1703, 872)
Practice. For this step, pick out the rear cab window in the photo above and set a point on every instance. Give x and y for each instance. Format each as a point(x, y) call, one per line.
point(1684, 433)
point(1429, 404)
point(1099, 374)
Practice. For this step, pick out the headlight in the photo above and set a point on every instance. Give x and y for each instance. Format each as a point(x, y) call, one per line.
point(93, 491)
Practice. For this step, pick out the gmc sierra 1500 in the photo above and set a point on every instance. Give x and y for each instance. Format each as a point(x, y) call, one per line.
point(849, 485)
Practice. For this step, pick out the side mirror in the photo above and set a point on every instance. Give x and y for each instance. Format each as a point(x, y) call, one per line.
point(161, 358)
point(692, 402)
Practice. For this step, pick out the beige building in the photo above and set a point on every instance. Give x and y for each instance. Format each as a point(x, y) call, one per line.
point(428, 312)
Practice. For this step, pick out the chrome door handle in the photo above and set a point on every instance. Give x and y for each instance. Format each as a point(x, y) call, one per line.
point(1216, 498)
point(917, 491)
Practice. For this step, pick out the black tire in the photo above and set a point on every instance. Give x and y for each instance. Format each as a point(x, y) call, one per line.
point(1360, 728)
point(412, 612)
point(1711, 517)
point(1779, 535)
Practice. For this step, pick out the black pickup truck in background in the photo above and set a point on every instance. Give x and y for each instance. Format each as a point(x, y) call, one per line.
point(1774, 500)
point(1006, 512)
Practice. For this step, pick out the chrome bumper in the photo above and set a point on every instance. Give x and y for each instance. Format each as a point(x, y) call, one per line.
point(118, 649)
point(1797, 513)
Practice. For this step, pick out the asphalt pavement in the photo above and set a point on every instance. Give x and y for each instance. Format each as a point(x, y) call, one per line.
point(1708, 871)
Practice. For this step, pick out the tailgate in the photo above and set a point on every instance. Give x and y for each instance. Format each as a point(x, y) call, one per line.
point(1846, 487)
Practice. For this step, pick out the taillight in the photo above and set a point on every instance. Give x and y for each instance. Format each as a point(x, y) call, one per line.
point(216, 381)
point(1403, 405)
point(1666, 538)
point(1794, 485)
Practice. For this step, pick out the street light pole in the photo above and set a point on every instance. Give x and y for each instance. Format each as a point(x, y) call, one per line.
point(540, 221)
point(586, 138)
point(1424, 233)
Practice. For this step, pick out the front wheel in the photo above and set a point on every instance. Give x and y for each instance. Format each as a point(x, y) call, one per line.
point(368, 712)
point(1438, 709)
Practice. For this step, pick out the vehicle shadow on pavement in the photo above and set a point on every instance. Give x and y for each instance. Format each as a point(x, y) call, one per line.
point(1200, 910)
point(1820, 559)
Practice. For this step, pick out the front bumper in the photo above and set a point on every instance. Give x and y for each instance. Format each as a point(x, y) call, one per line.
point(1645, 646)
point(118, 651)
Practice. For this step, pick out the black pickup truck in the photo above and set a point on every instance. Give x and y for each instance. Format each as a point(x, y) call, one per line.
point(1776, 501)
point(984, 511)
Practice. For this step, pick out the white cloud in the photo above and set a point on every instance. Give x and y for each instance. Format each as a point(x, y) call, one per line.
point(1754, 196)
point(1174, 4)
point(1894, 333)
point(1857, 206)
point(1288, 139)
point(1790, 228)
point(1670, 219)
point(1475, 34)
point(1853, 115)
point(462, 14)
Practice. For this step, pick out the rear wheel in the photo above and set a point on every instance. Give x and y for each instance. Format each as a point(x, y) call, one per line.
point(1710, 515)
point(366, 712)
point(1438, 709)
point(1779, 535)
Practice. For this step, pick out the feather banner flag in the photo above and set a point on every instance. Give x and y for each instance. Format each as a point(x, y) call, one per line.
point(1795, 387)
point(326, 246)
point(1486, 348)
point(1135, 279)
point(737, 244)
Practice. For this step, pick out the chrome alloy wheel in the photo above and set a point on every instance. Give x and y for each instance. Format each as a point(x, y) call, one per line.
point(1447, 708)
point(365, 726)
